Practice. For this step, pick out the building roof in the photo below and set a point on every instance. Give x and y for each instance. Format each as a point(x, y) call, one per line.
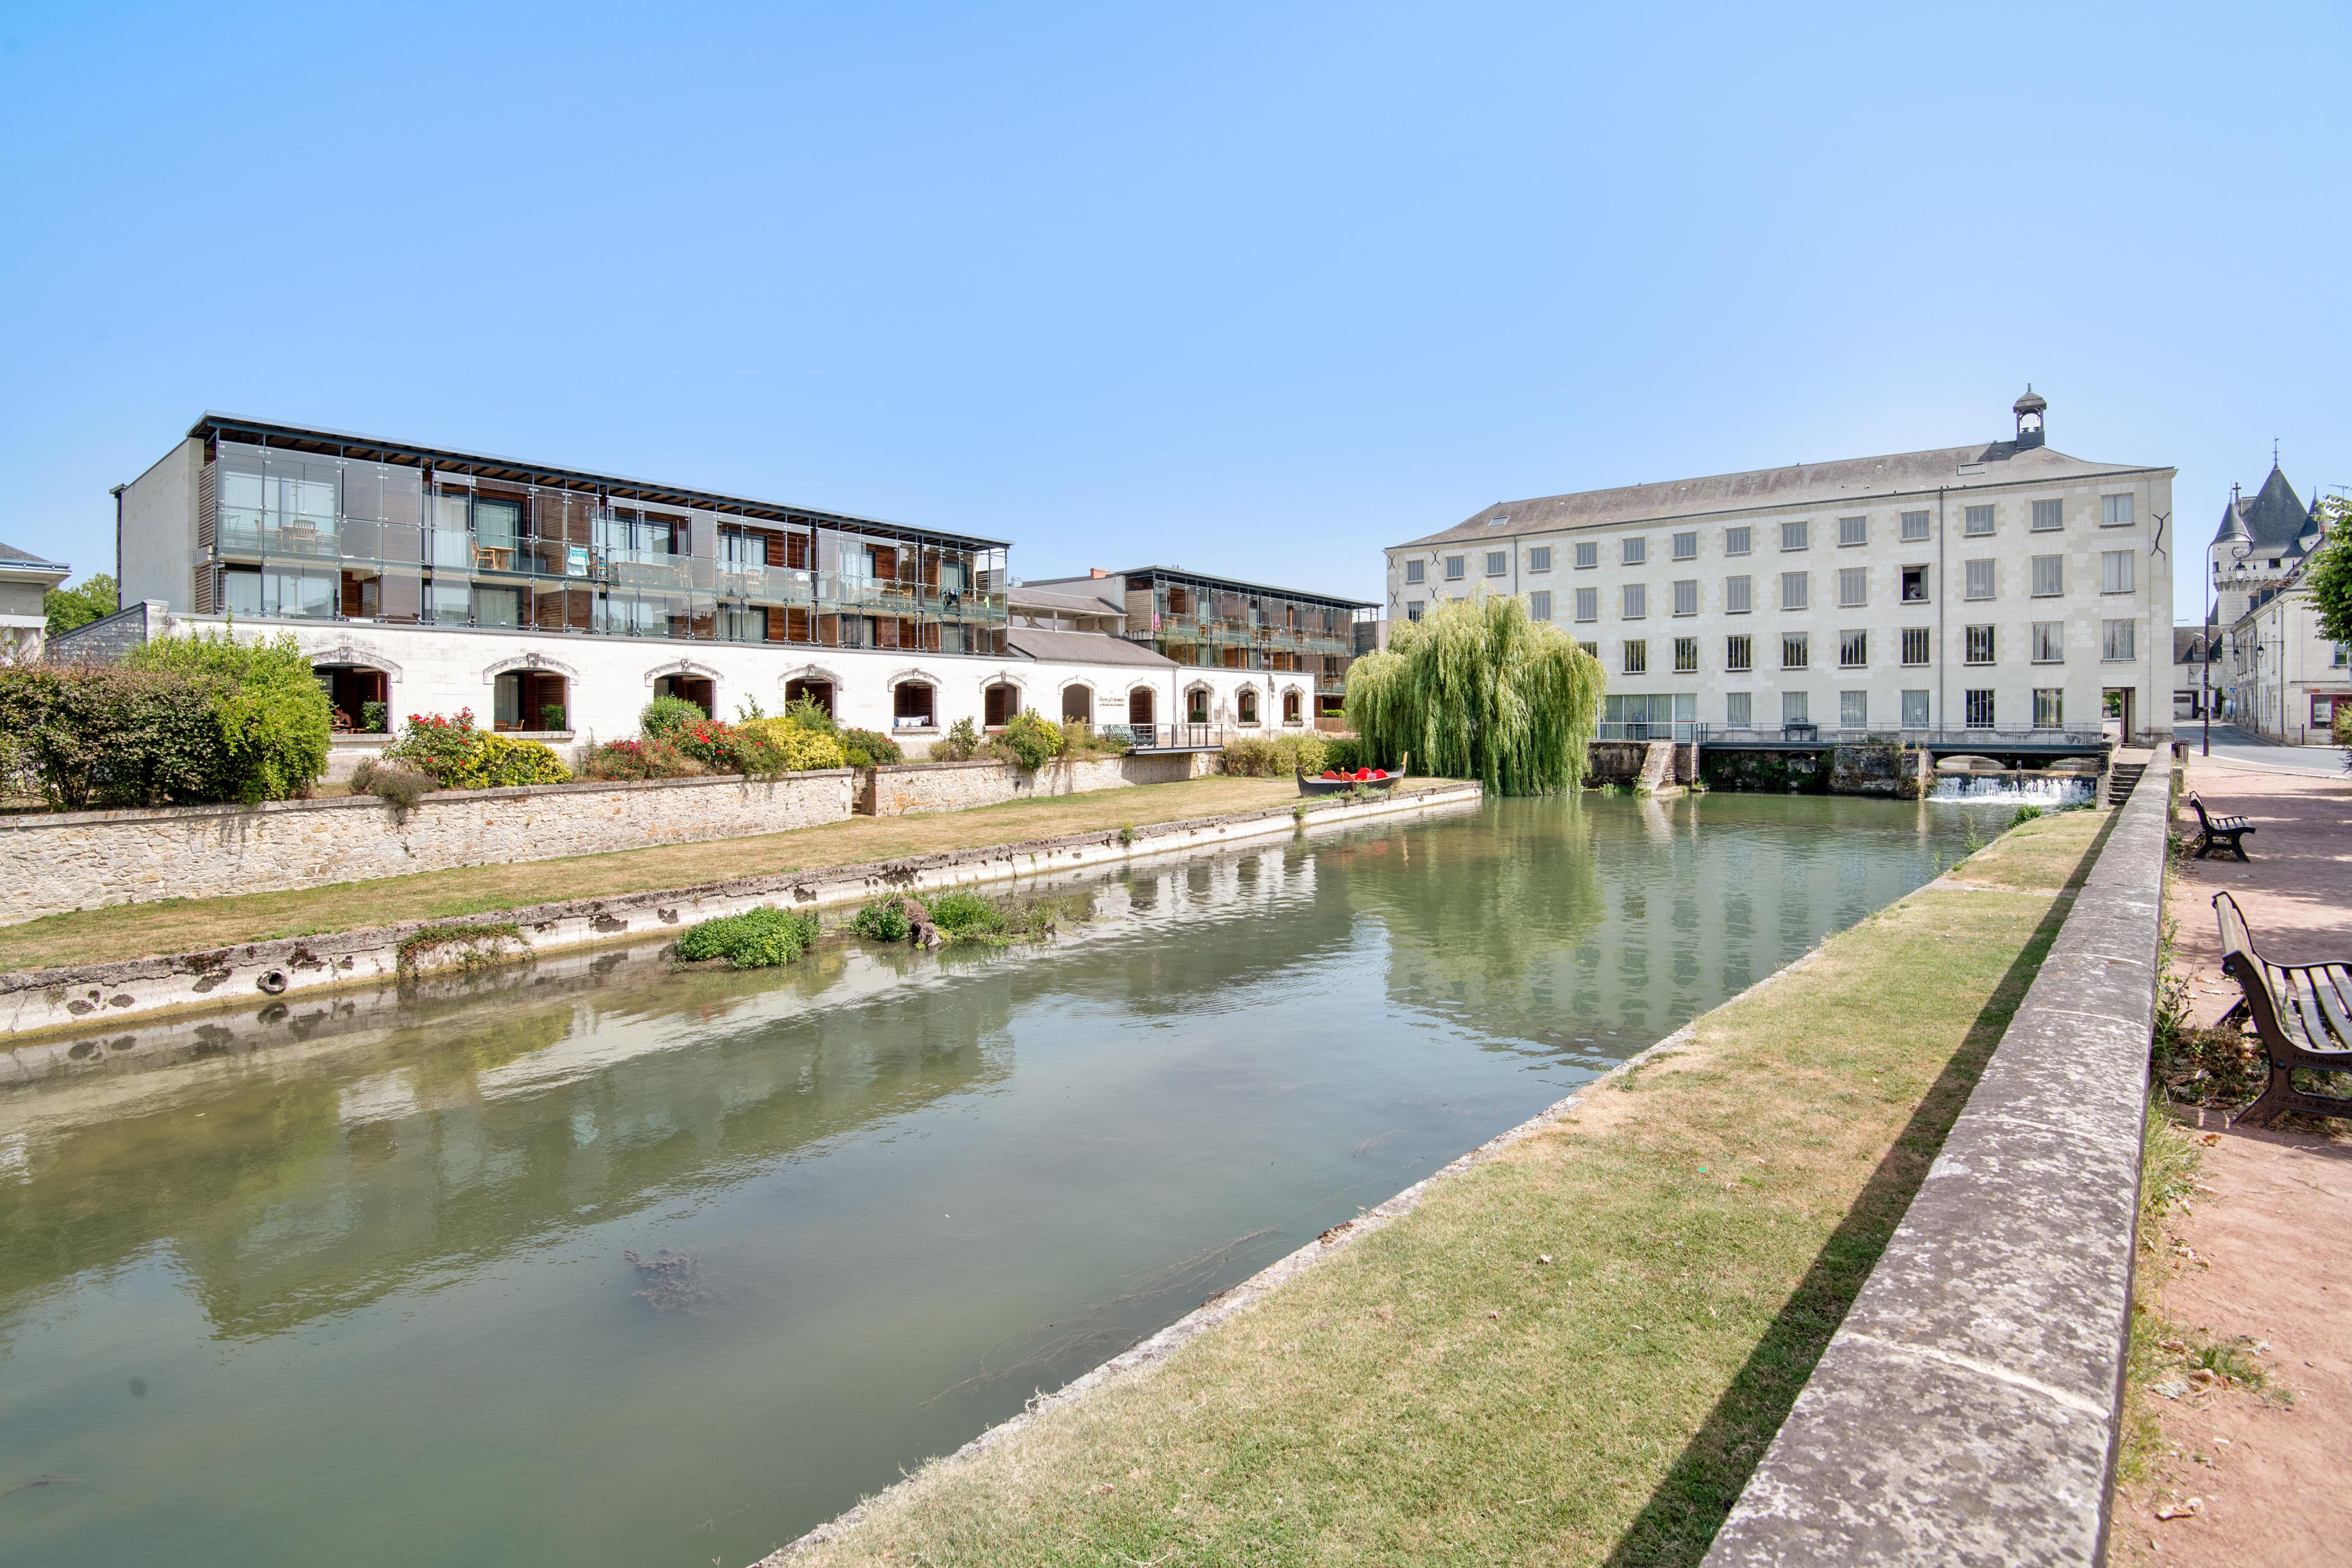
point(344, 443)
point(2186, 642)
point(1083, 648)
point(2271, 518)
point(1213, 581)
point(1852, 481)
point(15, 560)
point(1023, 596)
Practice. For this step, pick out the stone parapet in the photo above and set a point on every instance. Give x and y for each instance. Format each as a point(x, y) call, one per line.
point(903, 789)
point(1969, 1408)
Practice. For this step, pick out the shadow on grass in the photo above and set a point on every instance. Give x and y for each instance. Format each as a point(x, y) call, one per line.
point(1679, 1522)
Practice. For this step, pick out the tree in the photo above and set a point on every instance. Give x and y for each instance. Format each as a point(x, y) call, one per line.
point(1478, 690)
point(2329, 575)
point(90, 599)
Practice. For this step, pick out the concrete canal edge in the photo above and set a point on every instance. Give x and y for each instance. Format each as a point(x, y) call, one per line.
point(38, 1003)
point(1969, 1408)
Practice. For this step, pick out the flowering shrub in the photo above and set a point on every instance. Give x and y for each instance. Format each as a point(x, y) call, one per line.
point(639, 759)
point(714, 743)
point(456, 755)
point(664, 717)
point(797, 748)
point(867, 748)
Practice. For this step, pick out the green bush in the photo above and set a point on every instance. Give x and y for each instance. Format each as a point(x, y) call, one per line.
point(92, 737)
point(810, 714)
point(798, 748)
point(459, 756)
point(885, 922)
point(960, 745)
point(2025, 814)
point(272, 715)
point(638, 760)
point(1255, 757)
point(397, 786)
point(666, 716)
point(964, 915)
point(1028, 741)
point(867, 748)
point(756, 939)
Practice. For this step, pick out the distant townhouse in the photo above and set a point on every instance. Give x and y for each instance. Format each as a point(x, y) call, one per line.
point(2278, 675)
point(555, 602)
point(1998, 587)
point(24, 581)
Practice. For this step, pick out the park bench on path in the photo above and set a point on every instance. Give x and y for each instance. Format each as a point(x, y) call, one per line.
point(2302, 1012)
point(2218, 832)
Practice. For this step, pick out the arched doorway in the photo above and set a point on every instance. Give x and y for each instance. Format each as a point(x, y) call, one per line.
point(820, 692)
point(914, 705)
point(998, 704)
point(360, 697)
point(1196, 705)
point(1078, 704)
point(699, 690)
point(532, 699)
point(1139, 706)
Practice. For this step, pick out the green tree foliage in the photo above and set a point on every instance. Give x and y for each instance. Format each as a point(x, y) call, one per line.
point(272, 715)
point(1030, 740)
point(90, 599)
point(869, 748)
point(2329, 572)
point(1476, 689)
point(664, 717)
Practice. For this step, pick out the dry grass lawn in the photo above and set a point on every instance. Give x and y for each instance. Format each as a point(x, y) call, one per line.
point(181, 925)
point(1437, 1394)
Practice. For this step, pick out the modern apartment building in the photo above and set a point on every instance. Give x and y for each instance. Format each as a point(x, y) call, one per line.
point(557, 601)
point(1200, 622)
point(1996, 587)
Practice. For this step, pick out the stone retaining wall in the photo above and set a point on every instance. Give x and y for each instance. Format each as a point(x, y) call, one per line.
point(902, 789)
point(1969, 1407)
point(58, 862)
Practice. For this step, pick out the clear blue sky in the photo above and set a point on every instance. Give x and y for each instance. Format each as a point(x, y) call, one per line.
point(1253, 289)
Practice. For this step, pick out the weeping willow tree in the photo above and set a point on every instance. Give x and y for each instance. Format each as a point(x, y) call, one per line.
point(1476, 689)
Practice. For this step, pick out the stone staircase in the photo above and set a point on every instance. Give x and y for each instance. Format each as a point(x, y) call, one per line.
point(1657, 768)
point(2122, 779)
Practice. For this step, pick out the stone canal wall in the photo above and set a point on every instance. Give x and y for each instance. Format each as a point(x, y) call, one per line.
point(57, 862)
point(902, 789)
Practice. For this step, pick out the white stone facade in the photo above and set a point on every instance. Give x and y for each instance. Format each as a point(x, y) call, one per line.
point(2279, 675)
point(2008, 587)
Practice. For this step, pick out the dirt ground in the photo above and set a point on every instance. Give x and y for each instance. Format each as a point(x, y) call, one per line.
point(2264, 1258)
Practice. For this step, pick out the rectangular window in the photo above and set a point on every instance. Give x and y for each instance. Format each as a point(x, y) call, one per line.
point(1794, 708)
point(2116, 642)
point(1796, 535)
point(1453, 568)
point(1686, 596)
point(1914, 582)
point(1854, 650)
point(2116, 571)
point(1539, 558)
point(1976, 578)
point(1738, 595)
point(1634, 602)
point(1739, 540)
point(1979, 644)
point(2115, 511)
point(1588, 556)
point(1412, 609)
point(1916, 711)
point(1854, 531)
point(1587, 603)
point(2049, 707)
point(1687, 546)
point(1539, 604)
point(1591, 650)
point(2049, 642)
point(1979, 708)
point(2049, 576)
point(2049, 515)
point(1636, 550)
point(1737, 710)
point(1687, 656)
point(1853, 585)
point(1498, 563)
point(1853, 709)
point(1738, 653)
point(1918, 645)
point(1795, 590)
point(1916, 526)
point(1637, 656)
point(1978, 522)
point(1416, 571)
point(1796, 650)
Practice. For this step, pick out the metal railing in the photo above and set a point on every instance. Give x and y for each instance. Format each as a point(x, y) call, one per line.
point(1804, 734)
point(1682, 731)
point(1169, 737)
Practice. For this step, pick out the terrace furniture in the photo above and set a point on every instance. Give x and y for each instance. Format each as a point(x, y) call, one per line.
point(2218, 832)
point(2302, 1012)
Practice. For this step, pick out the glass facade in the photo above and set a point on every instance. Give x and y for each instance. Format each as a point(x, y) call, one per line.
point(1213, 622)
point(305, 533)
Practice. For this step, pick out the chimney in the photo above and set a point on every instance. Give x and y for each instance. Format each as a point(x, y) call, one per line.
point(1097, 572)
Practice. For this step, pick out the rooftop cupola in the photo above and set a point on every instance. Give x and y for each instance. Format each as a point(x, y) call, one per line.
point(2029, 410)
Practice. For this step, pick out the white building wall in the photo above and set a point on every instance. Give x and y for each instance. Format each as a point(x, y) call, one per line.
point(2083, 674)
point(158, 529)
point(2284, 678)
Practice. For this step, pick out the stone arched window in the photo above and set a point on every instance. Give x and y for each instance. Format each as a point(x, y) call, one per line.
point(1077, 703)
point(1141, 703)
point(914, 705)
point(1293, 707)
point(1196, 705)
point(1247, 704)
point(1000, 704)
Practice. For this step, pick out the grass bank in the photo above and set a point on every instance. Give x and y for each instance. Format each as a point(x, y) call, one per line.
point(180, 925)
point(1573, 1353)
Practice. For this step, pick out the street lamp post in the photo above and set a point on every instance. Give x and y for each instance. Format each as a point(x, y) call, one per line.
point(2238, 553)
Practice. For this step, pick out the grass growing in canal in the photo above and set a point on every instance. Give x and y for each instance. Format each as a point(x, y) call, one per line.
point(1576, 1351)
point(756, 939)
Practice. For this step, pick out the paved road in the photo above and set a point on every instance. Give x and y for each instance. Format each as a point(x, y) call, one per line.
point(2236, 745)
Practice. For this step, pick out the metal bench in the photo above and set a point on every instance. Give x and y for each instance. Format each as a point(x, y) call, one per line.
point(2302, 1012)
point(2218, 832)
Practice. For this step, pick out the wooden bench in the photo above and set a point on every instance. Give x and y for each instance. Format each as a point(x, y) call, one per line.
point(2302, 1012)
point(2218, 832)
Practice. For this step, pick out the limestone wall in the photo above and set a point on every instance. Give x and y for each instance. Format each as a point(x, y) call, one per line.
point(904, 788)
point(71, 860)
